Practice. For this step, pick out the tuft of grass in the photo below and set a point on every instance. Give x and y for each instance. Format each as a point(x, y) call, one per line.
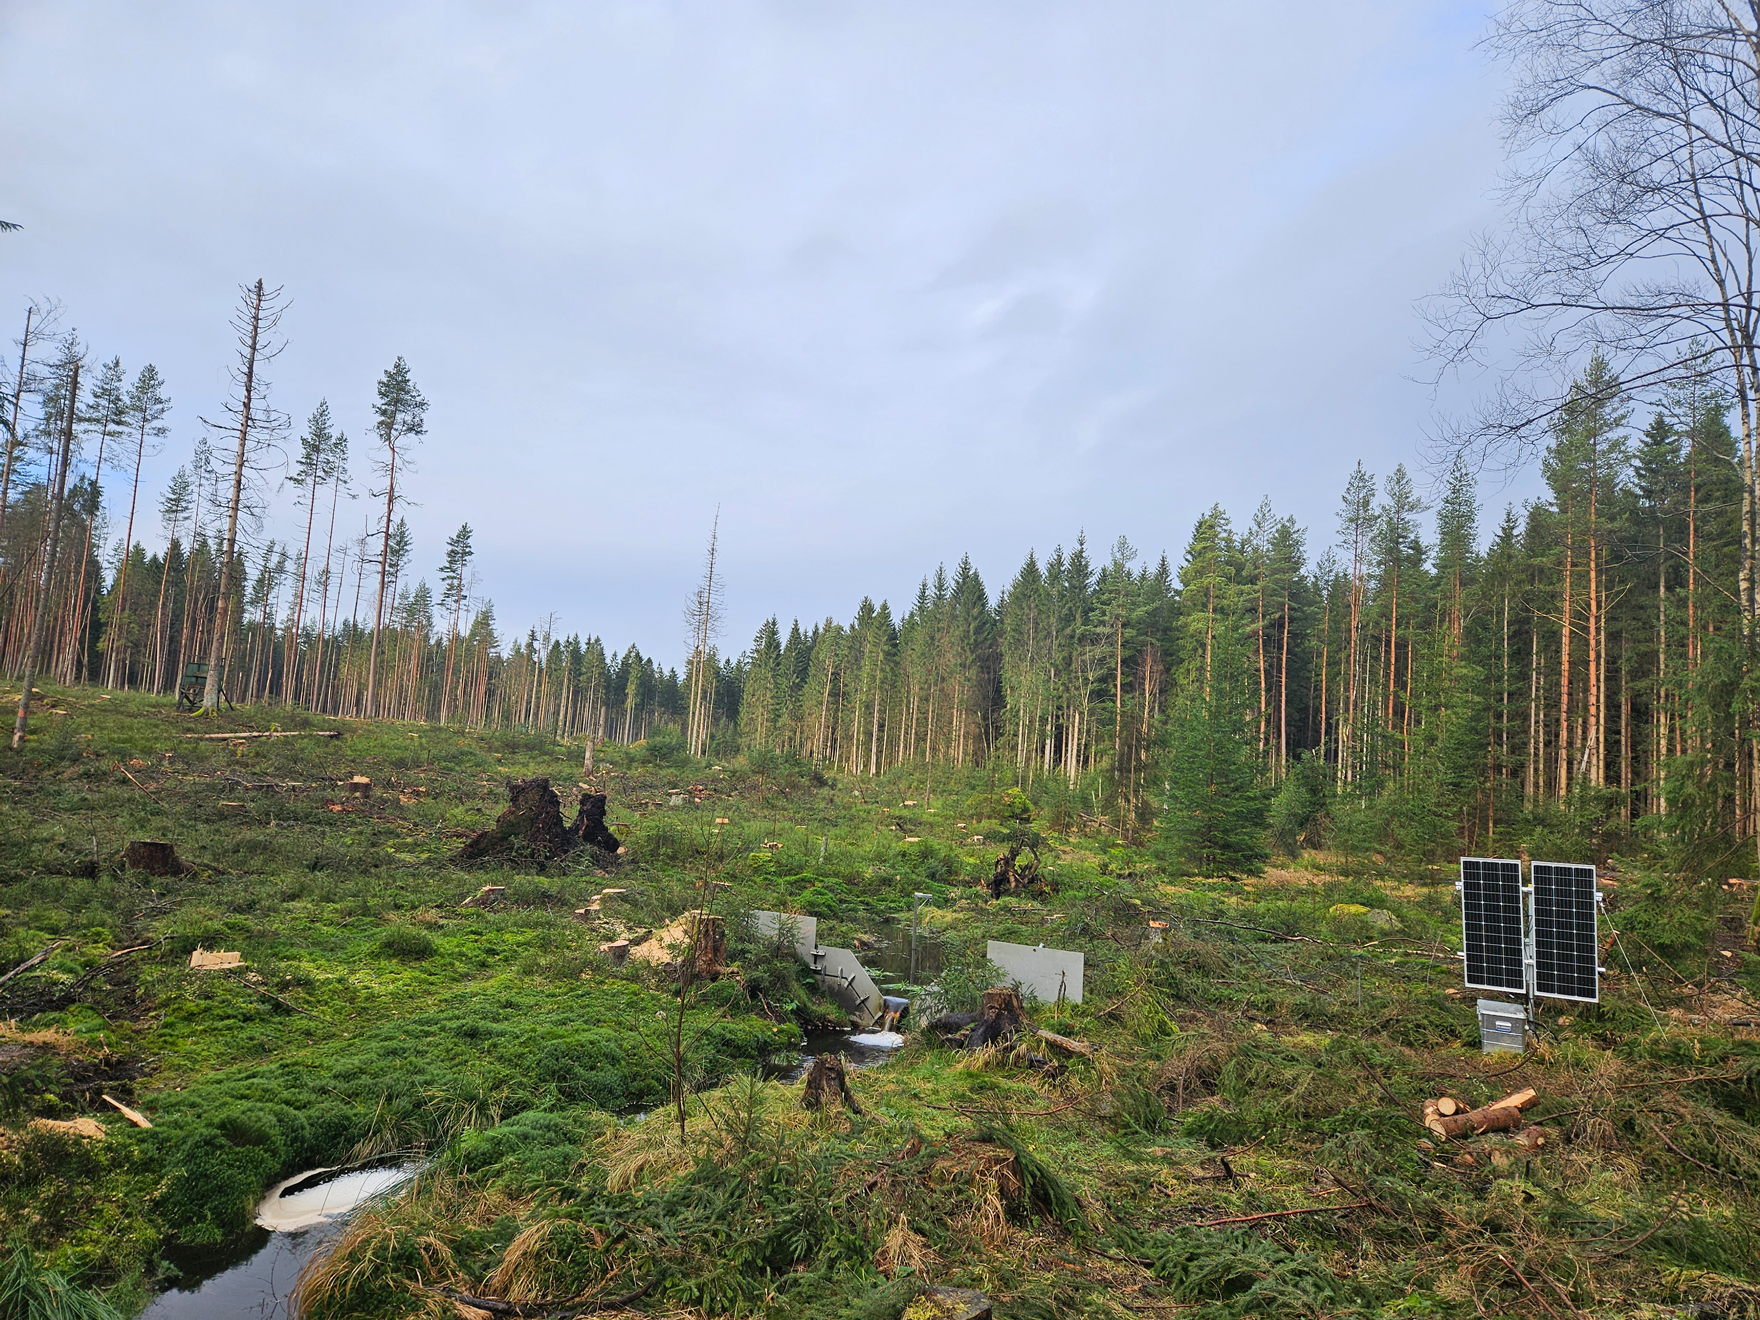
point(407, 942)
point(31, 1291)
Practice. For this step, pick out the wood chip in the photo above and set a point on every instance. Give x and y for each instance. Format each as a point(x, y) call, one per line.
point(133, 1116)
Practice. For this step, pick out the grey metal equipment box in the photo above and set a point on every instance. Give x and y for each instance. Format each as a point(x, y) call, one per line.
point(1503, 1028)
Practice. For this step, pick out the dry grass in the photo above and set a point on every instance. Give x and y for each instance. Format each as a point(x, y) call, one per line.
point(902, 1248)
point(57, 1039)
point(527, 1264)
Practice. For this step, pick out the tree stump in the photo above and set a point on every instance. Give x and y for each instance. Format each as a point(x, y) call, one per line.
point(1001, 1016)
point(709, 941)
point(827, 1080)
point(1002, 879)
point(155, 857)
point(530, 827)
point(589, 825)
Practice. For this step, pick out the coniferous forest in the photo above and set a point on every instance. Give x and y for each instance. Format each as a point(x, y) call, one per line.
point(1422, 676)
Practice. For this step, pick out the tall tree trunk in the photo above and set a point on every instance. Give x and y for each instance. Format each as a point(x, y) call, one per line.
point(223, 607)
point(48, 582)
point(12, 430)
point(1562, 784)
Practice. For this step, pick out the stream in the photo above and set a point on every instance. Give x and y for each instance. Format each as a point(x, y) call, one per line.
point(253, 1275)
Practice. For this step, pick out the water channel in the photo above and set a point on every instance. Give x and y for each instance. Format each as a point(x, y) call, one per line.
point(299, 1217)
point(253, 1275)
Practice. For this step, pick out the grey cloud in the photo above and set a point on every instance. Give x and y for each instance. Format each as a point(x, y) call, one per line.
point(886, 283)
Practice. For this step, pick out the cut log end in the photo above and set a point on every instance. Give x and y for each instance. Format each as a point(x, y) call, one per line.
point(1503, 1115)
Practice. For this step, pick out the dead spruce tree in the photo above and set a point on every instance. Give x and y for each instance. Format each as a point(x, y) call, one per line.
point(258, 427)
point(704, 620)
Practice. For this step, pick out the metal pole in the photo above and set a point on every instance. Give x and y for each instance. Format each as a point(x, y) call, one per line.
point(916, 905)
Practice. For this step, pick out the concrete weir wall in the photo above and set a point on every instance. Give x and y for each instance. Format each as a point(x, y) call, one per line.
point(838, 971)
point(1041, 971)
point(804, 929)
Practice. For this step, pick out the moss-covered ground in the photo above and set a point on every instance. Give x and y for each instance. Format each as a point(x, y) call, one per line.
point(1245, 1140)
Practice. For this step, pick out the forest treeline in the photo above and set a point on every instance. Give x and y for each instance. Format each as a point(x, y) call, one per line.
point(1415, 678)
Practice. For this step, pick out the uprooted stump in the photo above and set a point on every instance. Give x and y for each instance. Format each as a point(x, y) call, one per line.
point(155, 857)
point(589, 825)
point(827, 1081)
point(532, 826)
point(1000, 1020)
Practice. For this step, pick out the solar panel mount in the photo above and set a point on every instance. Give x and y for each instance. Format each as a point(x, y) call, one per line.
point(1541, 938)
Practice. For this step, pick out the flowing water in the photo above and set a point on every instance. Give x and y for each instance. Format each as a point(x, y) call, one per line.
point(860, 1049)
point(252, 1276)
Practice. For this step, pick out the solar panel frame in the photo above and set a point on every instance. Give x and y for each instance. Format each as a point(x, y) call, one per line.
point(1491, 923)
point(1567, 937)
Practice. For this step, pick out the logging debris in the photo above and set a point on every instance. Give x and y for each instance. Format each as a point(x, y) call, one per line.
point(1000, 1020)
point(208, 960)
point(132, 1115)
point(949, 1304)
point(89, 1128)
point(272, 733)
point(1454, 1122)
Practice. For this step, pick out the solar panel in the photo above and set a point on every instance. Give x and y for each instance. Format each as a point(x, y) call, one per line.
point(1491, 916)
point(1565, 946)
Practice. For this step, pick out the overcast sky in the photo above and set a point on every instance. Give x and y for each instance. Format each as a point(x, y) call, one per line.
point(888, 283)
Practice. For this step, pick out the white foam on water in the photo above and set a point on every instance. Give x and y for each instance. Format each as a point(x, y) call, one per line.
point(285, 1212)
point(882, 1040)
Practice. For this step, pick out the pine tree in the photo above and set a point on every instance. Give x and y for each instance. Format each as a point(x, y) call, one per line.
point(399, 420)
point(146, 410)
point(316, 459)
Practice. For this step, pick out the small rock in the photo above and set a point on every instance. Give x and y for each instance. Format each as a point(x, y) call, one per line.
point(485, 896)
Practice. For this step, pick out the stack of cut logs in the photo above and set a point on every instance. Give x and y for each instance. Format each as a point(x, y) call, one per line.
point(1449, 1119)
